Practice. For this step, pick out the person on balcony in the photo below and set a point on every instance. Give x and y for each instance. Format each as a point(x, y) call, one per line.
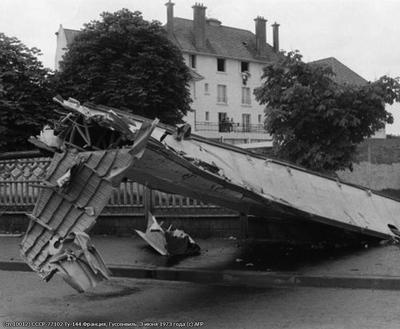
point(224, 125)
point(231, 125)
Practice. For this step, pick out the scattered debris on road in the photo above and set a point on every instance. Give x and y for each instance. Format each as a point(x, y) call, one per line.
point(170, 242)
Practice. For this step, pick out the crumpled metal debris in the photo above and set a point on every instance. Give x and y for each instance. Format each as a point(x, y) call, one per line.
point(183, 131)
point(77, 261)
point(65, 179)
point(76, 189)
point(47, 137)
point(180, 243)
point(170, 242)
point(154, 235)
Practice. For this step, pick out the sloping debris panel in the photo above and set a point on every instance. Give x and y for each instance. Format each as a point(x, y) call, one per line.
point(172, 160)
point(177, 162)
point(77, 188)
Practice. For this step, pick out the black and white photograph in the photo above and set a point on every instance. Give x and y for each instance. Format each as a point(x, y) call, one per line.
point(217, 164)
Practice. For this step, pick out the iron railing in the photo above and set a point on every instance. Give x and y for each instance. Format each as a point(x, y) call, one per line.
point(19, 180)
point(228, 127)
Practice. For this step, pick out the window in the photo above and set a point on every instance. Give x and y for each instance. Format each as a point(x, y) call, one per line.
point(244, 67)
point(206, 91)
point(207, 116)
point(259, 118)
point(221, 94)
point(192, 61)
point(193, 89)
point(222, 122)
point(246, 122)
point(221, 65)
point(246, 97)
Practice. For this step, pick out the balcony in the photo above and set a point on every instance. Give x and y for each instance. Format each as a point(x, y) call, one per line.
point(227, 127)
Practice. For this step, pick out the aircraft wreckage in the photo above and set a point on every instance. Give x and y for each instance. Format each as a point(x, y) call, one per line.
point(98, 147)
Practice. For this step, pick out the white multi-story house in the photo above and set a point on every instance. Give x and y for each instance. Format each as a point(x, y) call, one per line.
point(226, 65)
point(230, 62)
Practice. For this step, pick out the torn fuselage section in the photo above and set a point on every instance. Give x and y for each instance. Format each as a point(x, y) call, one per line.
point(176, 162)
point(180, 163)
point(86, 133)
point(77, 188)
point(71, 197)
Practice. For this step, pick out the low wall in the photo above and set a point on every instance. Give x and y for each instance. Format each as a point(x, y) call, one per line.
point(223, 226)
point(19, 190)
point(376, 166)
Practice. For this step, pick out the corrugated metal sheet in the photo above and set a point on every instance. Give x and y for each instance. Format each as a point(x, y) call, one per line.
point(59, 212)
point(77, 188)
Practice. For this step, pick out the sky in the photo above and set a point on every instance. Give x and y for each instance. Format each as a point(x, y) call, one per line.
point(362, 34)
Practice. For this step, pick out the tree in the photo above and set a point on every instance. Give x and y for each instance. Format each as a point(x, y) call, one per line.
point(316, 122)
point(126, 62)
point(25, 94)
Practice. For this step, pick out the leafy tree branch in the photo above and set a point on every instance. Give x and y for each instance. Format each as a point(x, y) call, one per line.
point(316, 122)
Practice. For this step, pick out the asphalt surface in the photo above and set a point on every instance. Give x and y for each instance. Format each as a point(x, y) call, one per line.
point(237, 263)
point(244, 298)
point(139, 303)
point(232, 254)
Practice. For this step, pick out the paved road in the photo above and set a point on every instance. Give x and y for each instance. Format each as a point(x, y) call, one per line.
point(25, 298)
point(223, 254)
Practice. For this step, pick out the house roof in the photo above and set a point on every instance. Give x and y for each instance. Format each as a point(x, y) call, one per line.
point(343, 74)
point(70, 35)
point(222, 41)
point(194, 75)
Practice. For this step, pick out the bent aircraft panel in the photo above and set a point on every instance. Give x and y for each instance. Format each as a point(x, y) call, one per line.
point(79, 185)
point(226, 175)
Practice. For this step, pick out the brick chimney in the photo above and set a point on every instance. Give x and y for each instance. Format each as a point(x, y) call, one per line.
point(199, 25)
point(275, 34)
point(261, 35)
point(170, 17)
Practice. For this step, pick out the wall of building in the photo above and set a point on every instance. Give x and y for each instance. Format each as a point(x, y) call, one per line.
point(61, 46)
point(207, 101)
point(377, 166)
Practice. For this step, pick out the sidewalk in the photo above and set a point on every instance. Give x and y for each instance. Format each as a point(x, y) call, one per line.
point(126, 251)
point(228, 261)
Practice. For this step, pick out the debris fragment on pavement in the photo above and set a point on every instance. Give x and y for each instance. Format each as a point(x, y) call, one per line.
point(77, 261)
point(154, 235)
point(170, 242)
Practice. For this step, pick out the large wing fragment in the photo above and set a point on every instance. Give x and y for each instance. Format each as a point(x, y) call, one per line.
point(77, 188)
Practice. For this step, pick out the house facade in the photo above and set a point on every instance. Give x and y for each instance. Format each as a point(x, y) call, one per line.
point(230, 62)
point(226, 65)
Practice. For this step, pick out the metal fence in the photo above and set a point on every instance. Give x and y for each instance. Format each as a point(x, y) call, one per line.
point(18, 178)
point(228, 127)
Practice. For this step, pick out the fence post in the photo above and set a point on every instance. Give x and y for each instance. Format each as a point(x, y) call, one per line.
point(148, 202)
point(244, 225)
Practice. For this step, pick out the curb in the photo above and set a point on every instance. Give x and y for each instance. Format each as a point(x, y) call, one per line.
point(257, 279)
point(239, 278)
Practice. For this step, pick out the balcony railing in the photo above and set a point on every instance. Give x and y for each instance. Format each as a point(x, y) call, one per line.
point(228, 127)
